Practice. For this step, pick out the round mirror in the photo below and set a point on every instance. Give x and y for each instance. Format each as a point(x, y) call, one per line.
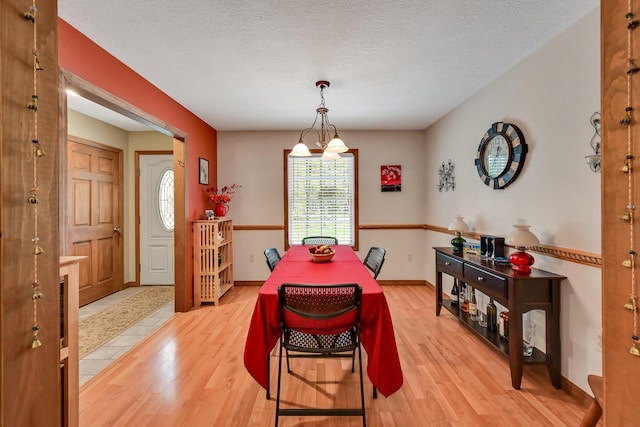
point(500, 155)
point(496, 156)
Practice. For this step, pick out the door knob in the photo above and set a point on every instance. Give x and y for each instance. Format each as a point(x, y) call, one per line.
point(117, 229)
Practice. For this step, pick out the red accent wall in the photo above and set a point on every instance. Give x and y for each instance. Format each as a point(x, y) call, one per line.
point(82, 57)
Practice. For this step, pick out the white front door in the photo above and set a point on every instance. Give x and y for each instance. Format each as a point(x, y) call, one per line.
point(157, 219)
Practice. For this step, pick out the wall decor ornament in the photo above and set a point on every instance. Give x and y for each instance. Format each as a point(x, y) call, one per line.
point(390, 178)
point(593, 160)
point(627, 168)
point(37, 154)
point(446, 173)
point(501, 154)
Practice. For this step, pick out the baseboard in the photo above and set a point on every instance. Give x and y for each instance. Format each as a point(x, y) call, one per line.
point(248, 283)
point(402, 282)
point(573, 390)
point(381, 282)
point(131, 285)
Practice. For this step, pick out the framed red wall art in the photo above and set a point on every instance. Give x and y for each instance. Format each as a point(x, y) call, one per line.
point(390, 178)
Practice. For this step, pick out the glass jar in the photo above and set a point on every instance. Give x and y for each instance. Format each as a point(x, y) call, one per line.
point(503, 325)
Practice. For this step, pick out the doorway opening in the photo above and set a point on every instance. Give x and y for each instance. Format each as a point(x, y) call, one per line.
point(102, 98)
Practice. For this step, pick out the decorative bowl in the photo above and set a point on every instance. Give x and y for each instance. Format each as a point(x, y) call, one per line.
point(322, 257)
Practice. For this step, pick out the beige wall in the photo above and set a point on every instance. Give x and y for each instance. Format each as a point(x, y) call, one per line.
point(94, 130)
point(255, 161)
point(550, 95)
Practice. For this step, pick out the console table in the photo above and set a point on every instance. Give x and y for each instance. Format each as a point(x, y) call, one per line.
point(519, 293)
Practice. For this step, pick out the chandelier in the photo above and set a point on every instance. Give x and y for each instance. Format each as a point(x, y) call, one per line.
point(330, 147)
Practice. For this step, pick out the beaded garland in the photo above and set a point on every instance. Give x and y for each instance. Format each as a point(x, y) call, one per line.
point(628, 169)
point(37, 152)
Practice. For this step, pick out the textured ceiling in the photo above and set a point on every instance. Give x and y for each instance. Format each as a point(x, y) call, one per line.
point(252, 65)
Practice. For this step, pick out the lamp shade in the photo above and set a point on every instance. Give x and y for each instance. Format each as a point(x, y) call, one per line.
point(336, 145)
point(521, 237)
point(326, 155)
point(300, 150)
point(458, 225)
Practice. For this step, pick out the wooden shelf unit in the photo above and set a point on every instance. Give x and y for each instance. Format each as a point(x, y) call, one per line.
point(213, 260)
point(519, 294)
point(69, 362)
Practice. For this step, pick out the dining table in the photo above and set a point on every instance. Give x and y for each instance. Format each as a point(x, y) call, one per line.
point(376, 328)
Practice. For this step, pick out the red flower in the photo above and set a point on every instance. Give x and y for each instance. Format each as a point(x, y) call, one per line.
point(222, 195)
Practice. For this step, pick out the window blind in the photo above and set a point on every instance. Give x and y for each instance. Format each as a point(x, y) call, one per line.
point(321, 198)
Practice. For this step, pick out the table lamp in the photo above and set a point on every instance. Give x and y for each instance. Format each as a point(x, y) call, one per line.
point(458, 226)
point(521, 238)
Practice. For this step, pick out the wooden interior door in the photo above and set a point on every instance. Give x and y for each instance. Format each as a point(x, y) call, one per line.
point(95, 216)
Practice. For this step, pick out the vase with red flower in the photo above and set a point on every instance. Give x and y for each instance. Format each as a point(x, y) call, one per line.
point(220, 210)
point(221, 198)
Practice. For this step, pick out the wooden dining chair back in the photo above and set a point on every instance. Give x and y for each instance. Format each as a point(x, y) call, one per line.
point(273, 257)
point(320, 321)
point(319, 240)
point(374, 260)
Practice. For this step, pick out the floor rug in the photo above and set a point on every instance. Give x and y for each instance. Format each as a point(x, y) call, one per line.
point(109, 323)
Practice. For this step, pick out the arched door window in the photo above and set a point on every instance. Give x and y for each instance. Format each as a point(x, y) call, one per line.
point(165, 200)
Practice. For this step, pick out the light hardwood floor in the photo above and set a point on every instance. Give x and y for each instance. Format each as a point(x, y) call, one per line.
point(191, 373)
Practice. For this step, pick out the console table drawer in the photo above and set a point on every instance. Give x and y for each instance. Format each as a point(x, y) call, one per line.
point(449, 265)
point(494, 286)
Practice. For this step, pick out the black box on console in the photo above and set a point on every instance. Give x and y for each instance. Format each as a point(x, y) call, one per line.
point(492, 246)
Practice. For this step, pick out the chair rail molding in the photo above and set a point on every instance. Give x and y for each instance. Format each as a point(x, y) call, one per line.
point(565, 254)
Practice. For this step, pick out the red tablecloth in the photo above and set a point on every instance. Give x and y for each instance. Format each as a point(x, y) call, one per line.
point(376, 328)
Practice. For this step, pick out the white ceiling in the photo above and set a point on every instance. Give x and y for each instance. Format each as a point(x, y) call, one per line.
point(253, 64)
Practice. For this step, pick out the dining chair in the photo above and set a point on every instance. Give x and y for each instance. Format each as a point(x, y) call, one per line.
point(320, 321)
point(273, 257)
point(374, 260)
point(319, 240)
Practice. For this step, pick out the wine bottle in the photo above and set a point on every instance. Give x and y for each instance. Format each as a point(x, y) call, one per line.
point(464, 301)
point(455, 292)
point(473, 306)
point(492, 316)
point(503, 326)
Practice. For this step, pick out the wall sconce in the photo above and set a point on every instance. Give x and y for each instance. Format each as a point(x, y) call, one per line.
point(447, 177)
point(594, 159)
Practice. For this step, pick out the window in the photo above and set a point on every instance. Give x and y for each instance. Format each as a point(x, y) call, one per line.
point(165, 200)
point(321, 198)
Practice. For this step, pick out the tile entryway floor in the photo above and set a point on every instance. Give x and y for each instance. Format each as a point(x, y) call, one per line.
point(103, 356)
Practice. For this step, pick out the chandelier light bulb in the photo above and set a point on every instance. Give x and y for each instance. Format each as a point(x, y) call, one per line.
point(331, 148)
point(328, 155)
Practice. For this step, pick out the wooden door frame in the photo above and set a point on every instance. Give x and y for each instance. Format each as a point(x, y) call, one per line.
point(137, 155)
point(98, 95)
